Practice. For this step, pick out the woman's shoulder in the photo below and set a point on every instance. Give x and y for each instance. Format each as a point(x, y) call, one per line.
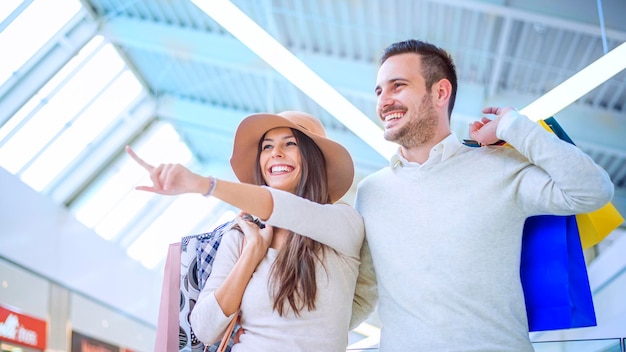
point(232, 236)
point(341, 203)
point(346, 208)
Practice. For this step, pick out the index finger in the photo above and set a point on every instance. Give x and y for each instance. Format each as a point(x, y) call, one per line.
point(139, 160)
point(491, 110)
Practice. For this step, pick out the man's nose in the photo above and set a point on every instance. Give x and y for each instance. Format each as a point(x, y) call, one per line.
point(384, 100)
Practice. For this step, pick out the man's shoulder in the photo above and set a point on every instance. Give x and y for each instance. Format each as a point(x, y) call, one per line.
point(502, 150)
point(375, 175)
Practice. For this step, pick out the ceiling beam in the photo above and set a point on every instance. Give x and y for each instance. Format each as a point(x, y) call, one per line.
point(217, 120)
point(347, 76)
point(530, 11)
point(228, 52)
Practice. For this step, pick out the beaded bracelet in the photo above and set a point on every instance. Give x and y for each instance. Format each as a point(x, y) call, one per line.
point(211, 187)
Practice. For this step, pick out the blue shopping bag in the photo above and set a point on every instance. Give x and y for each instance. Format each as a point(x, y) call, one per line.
point(554, 275)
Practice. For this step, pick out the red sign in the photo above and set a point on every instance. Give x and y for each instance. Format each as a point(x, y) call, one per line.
point(22, 329)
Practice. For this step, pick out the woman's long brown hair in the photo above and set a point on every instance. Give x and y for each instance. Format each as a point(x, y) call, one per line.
point(292, 277)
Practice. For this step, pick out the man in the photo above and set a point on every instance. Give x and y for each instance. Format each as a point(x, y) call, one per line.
point(444, 221)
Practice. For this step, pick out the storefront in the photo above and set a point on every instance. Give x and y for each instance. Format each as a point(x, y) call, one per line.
point(83, 343)
point(37, 314)
point(20, 332)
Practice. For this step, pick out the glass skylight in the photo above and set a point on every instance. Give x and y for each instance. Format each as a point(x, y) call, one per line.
point(67, 118)
point(29, 29)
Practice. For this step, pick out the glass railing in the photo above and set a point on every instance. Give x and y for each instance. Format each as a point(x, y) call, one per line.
point(599, 345)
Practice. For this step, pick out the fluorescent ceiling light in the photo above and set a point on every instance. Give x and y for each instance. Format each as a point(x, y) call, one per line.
point(294, 70)
point(578, 85)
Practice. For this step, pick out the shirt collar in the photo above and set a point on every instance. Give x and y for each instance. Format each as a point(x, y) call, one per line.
point(441, 151)
point(397, 160)
point(450, 146)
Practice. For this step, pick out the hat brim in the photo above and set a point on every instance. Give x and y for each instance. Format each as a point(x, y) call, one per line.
point(339, 164)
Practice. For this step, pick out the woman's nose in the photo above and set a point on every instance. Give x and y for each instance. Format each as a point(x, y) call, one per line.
point(277, 151)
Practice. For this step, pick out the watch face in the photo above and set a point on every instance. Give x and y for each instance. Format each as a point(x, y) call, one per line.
point(257, 221)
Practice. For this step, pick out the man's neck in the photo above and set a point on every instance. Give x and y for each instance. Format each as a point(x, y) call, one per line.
point(419, 154)
point(416, 154)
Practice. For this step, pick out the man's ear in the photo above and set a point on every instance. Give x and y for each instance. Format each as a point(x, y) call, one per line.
point(442, 91)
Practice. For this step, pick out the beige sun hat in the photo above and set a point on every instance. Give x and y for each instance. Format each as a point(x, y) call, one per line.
point(339, 165)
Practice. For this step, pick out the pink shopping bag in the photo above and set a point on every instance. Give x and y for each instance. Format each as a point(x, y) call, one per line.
point(167, 324)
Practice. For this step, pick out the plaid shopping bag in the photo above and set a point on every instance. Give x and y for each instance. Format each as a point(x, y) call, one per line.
point(196, 261)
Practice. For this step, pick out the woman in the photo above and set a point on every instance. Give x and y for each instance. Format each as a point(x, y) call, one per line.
point(294, 279)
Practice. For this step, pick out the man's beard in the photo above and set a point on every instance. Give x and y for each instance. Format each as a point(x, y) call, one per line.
point(419, 130)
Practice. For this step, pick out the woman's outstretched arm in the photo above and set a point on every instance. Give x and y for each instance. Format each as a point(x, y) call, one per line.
point(175, 179)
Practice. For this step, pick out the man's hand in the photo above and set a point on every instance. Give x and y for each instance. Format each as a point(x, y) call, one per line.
point(484, 131)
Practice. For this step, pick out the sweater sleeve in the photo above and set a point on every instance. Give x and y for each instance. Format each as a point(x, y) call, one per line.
point(564, 181)
point(337, 225)
point(208, 321)
point(365, 293)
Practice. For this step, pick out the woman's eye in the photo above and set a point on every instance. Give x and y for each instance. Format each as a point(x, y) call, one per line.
point(292, 143)
point(266, 147)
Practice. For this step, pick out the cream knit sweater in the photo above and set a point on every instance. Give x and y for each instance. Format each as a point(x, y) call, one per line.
point(340, 228)
point(445, 236)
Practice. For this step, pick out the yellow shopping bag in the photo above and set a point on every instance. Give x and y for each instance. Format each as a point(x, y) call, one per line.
point(595, 226)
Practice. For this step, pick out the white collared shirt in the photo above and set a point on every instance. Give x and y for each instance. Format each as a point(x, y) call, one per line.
point(438, 153)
